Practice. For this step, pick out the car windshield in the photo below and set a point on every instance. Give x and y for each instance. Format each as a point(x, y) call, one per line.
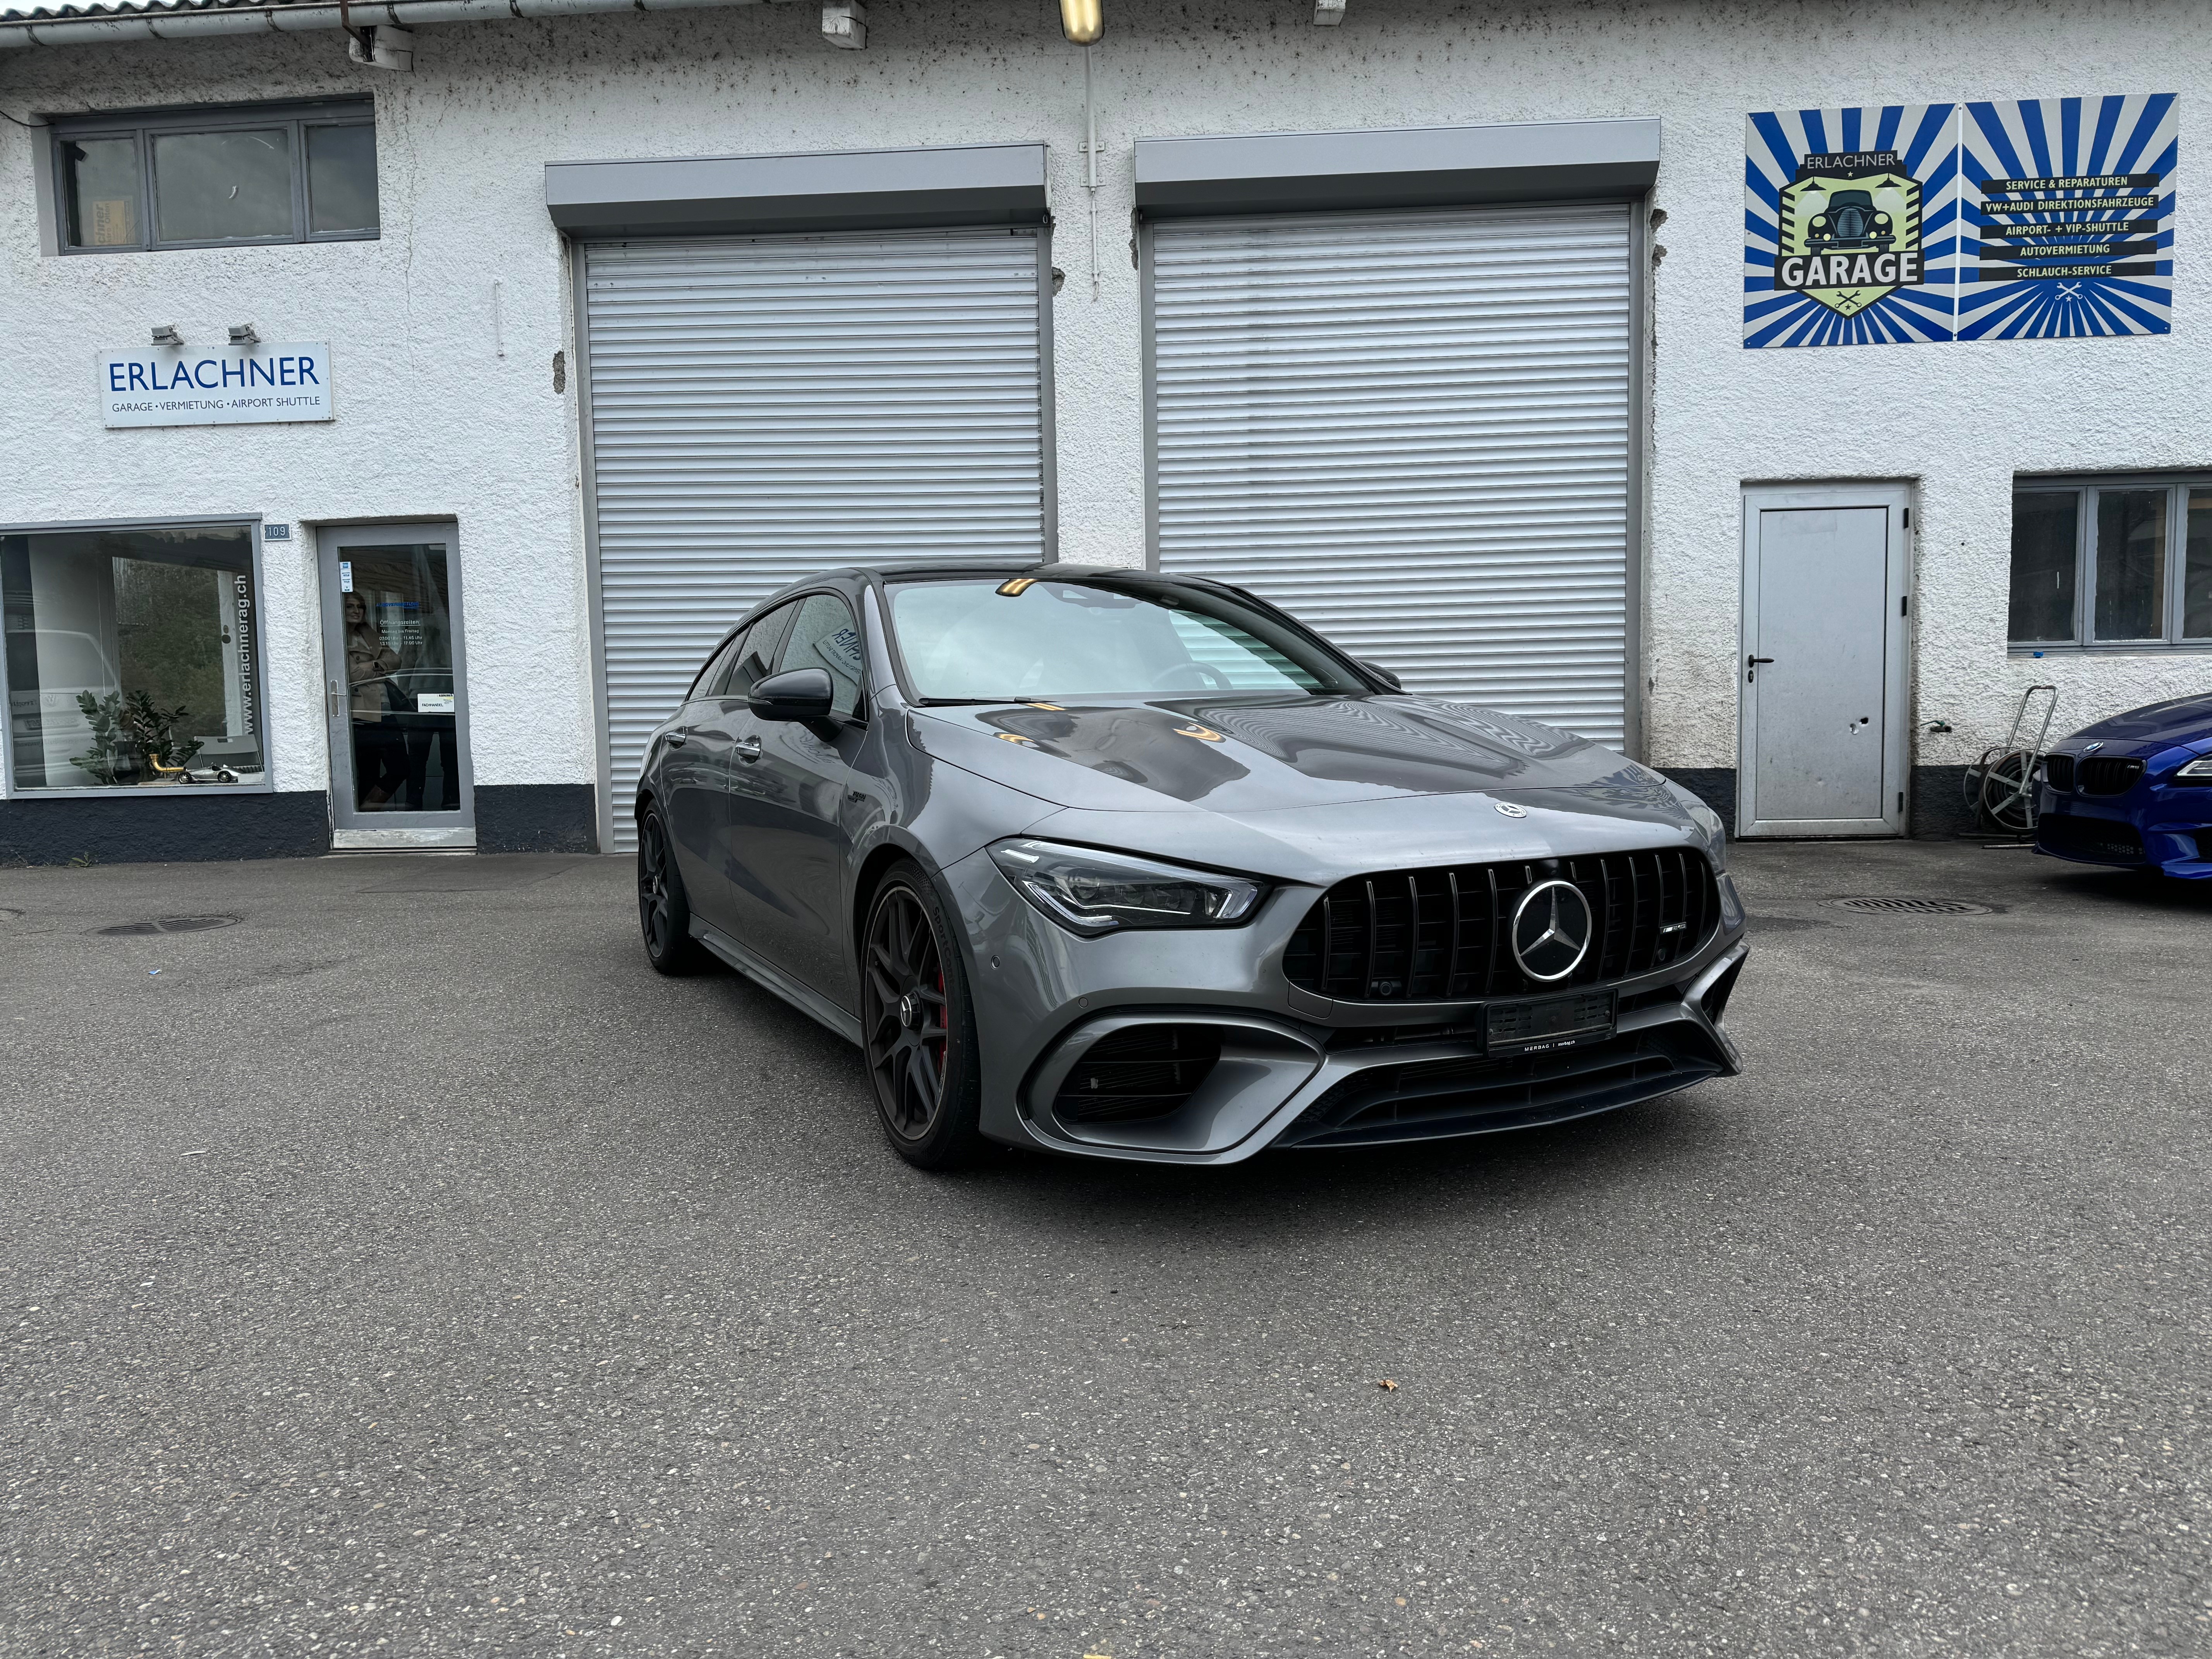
point(974, 639)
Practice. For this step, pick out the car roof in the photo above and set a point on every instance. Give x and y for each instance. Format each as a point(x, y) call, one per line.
point(994, 568)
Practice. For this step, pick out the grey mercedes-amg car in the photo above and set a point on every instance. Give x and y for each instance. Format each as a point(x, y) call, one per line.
point(1128, 865)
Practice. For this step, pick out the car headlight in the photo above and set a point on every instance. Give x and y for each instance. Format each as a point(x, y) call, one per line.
point(1089, 892)
point(2197, 771)
point(1708, 822)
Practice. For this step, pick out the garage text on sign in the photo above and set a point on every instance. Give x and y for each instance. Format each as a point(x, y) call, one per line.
point(1799, 270)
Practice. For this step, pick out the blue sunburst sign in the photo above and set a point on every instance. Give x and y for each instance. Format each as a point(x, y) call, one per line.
point(1920, 223)
point(1850, 226)
point(2071, 203)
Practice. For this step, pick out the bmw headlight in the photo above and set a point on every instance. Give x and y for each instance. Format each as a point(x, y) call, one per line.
point(2197, 771)
point(1091, 892)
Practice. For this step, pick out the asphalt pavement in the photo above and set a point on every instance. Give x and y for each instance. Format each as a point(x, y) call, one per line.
point(404, 1268)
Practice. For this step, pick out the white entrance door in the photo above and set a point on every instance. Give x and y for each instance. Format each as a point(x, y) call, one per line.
point(397, 702)
point(1822, 668)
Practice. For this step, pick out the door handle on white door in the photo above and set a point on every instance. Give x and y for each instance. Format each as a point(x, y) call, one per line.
point(746, 749)
point(1751, 667)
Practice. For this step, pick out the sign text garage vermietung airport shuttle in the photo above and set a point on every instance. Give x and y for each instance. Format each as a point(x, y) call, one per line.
point(224, 385)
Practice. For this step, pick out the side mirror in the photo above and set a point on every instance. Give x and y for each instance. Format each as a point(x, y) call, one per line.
point(799, 694)
point(1384, 675)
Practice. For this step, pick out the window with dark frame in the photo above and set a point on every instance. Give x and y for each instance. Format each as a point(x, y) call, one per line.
point(2111, 564)
point(130, 658)
point(237, 175)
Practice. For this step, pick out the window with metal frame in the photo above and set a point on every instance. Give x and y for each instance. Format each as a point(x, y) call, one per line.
point(2111, 564)
point(131, 658)
point(217, 177)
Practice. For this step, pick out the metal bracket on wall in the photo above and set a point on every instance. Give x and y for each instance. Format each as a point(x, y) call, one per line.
point(383, 46)
point(845, 23)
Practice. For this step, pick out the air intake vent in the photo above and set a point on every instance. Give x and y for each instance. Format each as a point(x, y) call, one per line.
point(1441, 935)
point(1143, 1071)
point(2094, 839)
point(2108, 775)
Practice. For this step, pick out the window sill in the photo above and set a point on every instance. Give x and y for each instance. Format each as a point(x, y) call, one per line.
point(114, 791)
point(2143, 648)
point(319, 240)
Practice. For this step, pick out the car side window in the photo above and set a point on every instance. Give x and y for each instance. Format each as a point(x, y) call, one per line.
point(716, 671)
point(717, 674)
point(824, 636)
point(753, 664)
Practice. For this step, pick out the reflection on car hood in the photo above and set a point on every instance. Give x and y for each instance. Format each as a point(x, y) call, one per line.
point(1244, 755)
point(2183, 720)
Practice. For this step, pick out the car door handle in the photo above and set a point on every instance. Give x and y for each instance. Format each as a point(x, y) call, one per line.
point(746, 749)
point(678, 739)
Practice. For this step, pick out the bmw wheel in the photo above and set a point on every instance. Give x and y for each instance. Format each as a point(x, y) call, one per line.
point(664, 910)
point(917, 1025)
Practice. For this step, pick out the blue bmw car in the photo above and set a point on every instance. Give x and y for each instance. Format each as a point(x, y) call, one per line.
point(2135, 789)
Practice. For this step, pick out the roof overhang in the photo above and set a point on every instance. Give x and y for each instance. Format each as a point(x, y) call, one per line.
point(958, 184)
point(1403, 167)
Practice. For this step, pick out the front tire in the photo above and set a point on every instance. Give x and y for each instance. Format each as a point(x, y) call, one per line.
point(918, 1025)
point(664, 909)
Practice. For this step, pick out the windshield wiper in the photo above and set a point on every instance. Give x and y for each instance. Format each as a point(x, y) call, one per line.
point(964, 702)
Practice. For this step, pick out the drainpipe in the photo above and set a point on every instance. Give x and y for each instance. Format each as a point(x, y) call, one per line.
point(1083, 22)
point(351, 15)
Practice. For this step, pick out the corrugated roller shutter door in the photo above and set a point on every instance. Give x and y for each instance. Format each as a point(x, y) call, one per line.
point(1411, 431)
point(763, 407)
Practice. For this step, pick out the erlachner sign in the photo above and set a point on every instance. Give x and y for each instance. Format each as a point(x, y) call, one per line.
point(225, 386)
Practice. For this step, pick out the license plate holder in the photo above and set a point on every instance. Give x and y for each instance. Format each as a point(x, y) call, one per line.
point(1543, 1024)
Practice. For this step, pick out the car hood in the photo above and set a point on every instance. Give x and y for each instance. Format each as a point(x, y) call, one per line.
point(2182, 721)
point(1259, 754)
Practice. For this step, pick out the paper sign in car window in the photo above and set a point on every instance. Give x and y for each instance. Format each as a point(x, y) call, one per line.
point(841, 651)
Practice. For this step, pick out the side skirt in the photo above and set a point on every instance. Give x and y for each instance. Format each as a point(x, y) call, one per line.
point(814, 1005)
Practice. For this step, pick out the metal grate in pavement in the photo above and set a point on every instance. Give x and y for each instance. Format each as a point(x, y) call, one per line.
point(1909, 906)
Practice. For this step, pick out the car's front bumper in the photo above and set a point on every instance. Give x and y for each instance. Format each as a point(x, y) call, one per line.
point(1295, 1069)
point(2152, 825)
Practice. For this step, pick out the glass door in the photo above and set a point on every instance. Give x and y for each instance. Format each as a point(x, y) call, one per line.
point(396, 693)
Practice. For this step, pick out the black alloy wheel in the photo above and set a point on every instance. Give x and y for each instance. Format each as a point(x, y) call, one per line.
point(664, 910)
point(916, 1025)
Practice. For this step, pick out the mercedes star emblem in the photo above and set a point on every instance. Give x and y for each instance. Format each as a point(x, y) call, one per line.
point(1512, 810)
point(1551, 931)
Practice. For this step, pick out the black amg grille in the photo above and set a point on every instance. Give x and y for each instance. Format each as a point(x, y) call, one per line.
point(2108, 775)
point(1466, 1097)
point(1439, 935)
point(2058, 773)
point(2098, 840)
point(1146, 1071)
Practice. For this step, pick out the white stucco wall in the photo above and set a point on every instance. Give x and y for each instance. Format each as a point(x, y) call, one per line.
point(432, 423)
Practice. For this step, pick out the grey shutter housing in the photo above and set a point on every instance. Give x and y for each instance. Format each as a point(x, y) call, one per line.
point(1411, 430)
point(764, 407)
